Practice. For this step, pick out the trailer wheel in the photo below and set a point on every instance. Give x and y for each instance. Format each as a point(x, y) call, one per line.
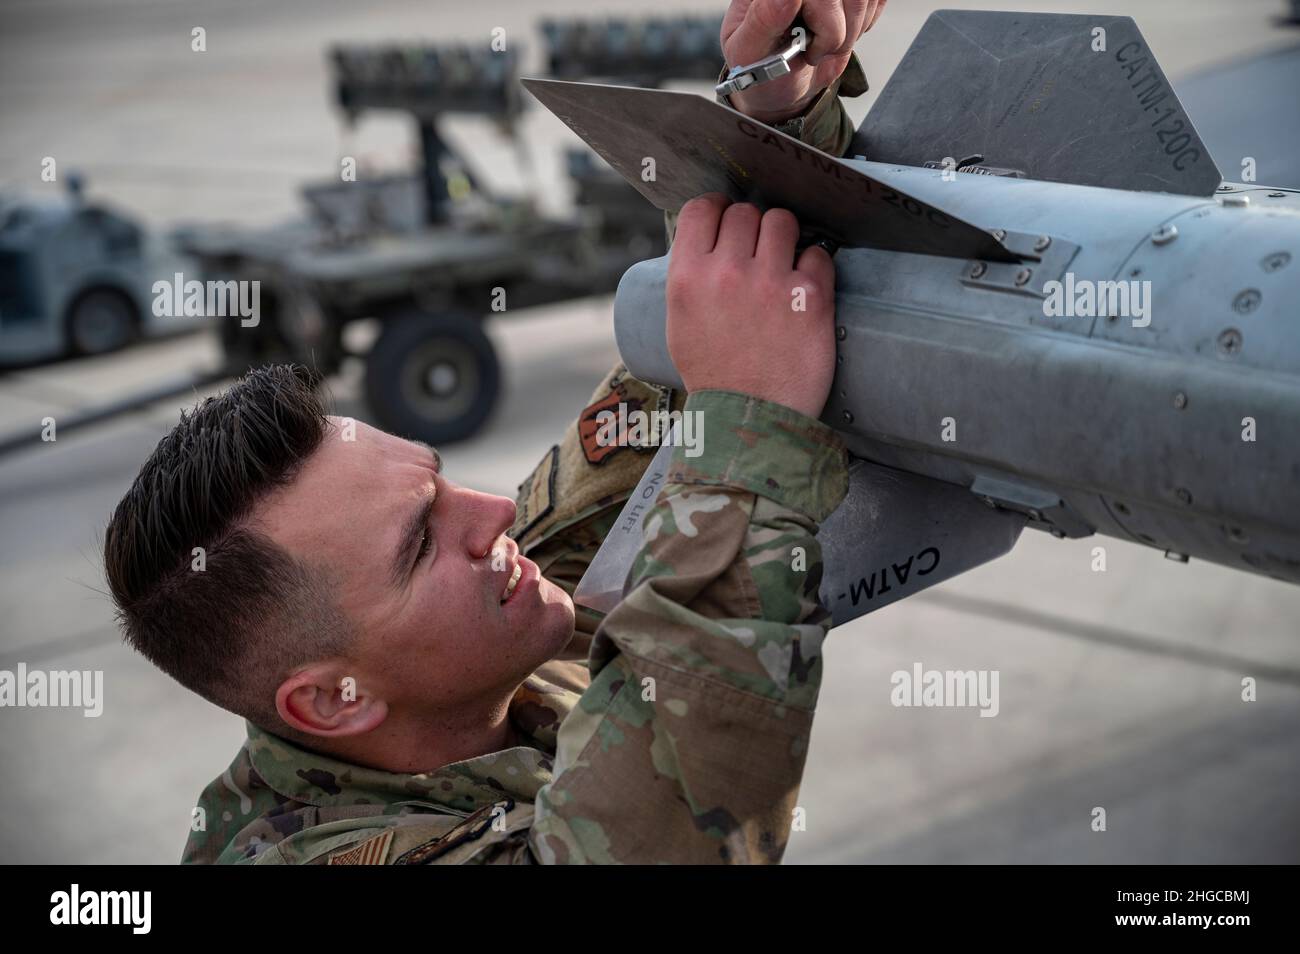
point(100, 320)
point(434, 378)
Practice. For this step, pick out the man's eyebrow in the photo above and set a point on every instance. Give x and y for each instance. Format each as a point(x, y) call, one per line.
point(437, 458)
point(409, 541)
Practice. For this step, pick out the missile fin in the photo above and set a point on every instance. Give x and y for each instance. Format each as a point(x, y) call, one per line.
point(894, 534)
point(897, 533)
point(1060, 97)
point(672, 146)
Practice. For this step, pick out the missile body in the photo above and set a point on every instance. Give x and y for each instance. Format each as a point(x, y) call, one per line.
point(1137, 375)
point(1074, 327)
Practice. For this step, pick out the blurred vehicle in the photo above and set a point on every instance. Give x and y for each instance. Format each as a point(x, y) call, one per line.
point(76, 278)
point(430, 254)
point(426, 254)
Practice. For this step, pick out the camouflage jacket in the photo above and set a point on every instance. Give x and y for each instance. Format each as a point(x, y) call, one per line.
point(673, 730)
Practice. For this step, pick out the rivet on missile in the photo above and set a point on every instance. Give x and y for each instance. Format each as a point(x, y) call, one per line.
point(978, 269)
point(1230, 341)
point(1042, 242)
point(1238, 200)
point(1237, 535)
point(841, 332)
point(1023, 276)
point(1165, 234)
point(1180, 400)
point(1247, 301)
point(1184, 495)
point(848, 417)
point(1276, 261)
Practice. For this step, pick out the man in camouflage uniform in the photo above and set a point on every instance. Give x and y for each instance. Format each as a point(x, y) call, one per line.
point(675, 728)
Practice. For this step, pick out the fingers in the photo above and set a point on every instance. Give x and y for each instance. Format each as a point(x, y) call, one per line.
point(877, 8)
point(836, 26)
point(856, 14)
point(816, 263)
point(828, 26)
point(777, 235)
point(829, 69)
point(764, 29)
point(713, 224)
point(738, 232)
point(697, 223)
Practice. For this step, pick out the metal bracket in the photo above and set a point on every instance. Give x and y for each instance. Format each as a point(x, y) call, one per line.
point(1044, 259)
point(770, 67)
point(1044, 508)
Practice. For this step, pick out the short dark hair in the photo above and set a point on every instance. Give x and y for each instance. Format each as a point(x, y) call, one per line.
point(232, 632)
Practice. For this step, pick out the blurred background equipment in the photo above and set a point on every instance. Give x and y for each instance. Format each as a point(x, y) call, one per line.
point(76, 277)
point(427, 254)
point(637, 52)
point(431, 254)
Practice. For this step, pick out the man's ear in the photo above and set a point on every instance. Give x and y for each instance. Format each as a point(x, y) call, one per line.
point(325, 699)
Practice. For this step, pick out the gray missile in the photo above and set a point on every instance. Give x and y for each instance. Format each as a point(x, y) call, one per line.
point(1050, 310)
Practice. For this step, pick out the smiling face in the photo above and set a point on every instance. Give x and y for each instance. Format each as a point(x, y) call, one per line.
point(424, 572)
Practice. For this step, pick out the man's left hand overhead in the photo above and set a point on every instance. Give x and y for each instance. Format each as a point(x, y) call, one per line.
point(753, 29)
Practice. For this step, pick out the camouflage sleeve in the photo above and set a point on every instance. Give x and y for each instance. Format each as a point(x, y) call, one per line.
point(690, 743)
point(824, 125)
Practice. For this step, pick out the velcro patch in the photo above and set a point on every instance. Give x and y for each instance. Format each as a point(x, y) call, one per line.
point(536, 497)
point(372, 851)
point(601, 440)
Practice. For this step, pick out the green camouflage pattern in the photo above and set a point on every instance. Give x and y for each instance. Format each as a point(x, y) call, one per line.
point(689, 743)
point(281, 804)
point(673, 730)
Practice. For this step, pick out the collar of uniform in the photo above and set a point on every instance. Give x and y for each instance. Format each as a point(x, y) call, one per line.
point(537, 709)
point(323, 781)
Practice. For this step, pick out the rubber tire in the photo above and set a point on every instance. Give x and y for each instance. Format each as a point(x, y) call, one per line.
point(399, 367)
point(115, 315)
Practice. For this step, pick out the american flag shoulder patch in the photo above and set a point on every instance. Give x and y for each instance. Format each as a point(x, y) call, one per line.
point(372, 851)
